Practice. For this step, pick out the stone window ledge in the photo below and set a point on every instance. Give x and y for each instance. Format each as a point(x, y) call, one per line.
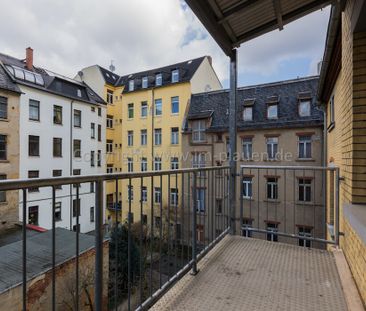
point(355, 214)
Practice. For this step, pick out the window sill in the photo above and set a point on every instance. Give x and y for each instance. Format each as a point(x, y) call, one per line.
point(311, 203)
point(60, 124)
point(174, 114)
point(4, 120)
point(33, 120)
point(272, 201)
point(305, 160)
point(248, 199)
point(3, 203)
point(4, 161)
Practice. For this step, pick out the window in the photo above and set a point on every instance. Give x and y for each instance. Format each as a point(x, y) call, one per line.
point(75, 207)
point(109, 146)
point(77, 118)
point(199, 160)
point(272, 111)
point(305, 232)
point(92, 214)
point(247, 143)
point(158, 79)
point(92, 158)
point(247, 223)
point(58, 211)
point(199, 131)
point(158, 107)
point(99, 132)
point(129, 164)
point(272, 188)
point(109, 168)
point(144, 109)
point(331, 111)
point(174, 163)
point(33, 174)
point(144, 219)
point(131, 85)
point(77, 148)
point(143, 137)
point(2, 193)
point(157, 221)
point(130, 138)
point(99, 112)
point(33, 146)
point(109, 201)
point(201, 200)
point(92, 109)
point(304, 108)
point(143, 164)
point(109, 96)
point(272, 228)
point(175, 75)
point(144, 82)
point(109, 121)
point(248, 114)
point(175, 136)
point(157, 194)
point(57, 173)
point(305, 146)
point(99, 158)
point(33, 215)
point(247, 187)
point(3, 147)
point(92, 187)
point(34, 110)
point(157, 164)
point(130, 111)
point(305, 189)
point(76, 172)
point(57, 147)
point(3, 107)
point(272, 147)
point(157, 137)
point(130, 193)
point(92, 130)
point(175, 105)
point(174, 196)
point(57, 114)
point(143, 194)
point(219, 206)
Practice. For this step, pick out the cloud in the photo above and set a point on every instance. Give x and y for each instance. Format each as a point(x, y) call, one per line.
point(140, 34)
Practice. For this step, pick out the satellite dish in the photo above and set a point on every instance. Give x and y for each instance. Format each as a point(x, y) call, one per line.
point(112, 67)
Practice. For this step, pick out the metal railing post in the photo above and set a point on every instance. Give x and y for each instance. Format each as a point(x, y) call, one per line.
point(98, 282)
point(194, 224)
point(336, 212)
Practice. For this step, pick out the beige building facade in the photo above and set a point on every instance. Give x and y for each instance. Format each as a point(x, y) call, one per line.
point(9, 148)
point(279, 124)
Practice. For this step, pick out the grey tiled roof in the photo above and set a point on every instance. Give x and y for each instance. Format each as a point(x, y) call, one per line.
point(39, 254)
point(186, 72)
point(6, 83)
point(288, 93)
point(54, 83)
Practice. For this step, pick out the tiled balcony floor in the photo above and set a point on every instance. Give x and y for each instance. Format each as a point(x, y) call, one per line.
point(249, 274)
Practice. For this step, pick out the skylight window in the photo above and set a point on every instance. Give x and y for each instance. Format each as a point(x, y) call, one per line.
point(29, 76)
point(19, 73)
point(107, 74)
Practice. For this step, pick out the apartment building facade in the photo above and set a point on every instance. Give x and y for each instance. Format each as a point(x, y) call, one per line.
point(9, 148)
point(279, 124)
point(61, 133)
point(342, 92)
point(148, 110)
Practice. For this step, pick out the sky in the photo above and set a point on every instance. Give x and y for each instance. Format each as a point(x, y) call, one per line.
point(69, 35)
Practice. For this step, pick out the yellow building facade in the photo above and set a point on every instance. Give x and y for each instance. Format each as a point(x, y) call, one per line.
point(145, 115)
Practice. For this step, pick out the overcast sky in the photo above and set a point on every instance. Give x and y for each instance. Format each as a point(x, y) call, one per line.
point(68, 35)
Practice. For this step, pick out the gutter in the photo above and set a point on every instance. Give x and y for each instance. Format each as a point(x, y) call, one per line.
point(333, 26)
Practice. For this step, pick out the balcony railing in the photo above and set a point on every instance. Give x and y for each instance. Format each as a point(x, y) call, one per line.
point(172, 219)
point(160, 233)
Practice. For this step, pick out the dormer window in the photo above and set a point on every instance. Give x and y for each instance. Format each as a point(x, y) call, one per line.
point(78, 93)
point(248, 114)
point(158, 79)
point(175, 75)
point(272, 111)
point(304, 108)
point(131, 85)
point(144, 82)
point(199, 131)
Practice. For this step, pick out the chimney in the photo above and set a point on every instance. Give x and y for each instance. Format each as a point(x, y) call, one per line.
point(29, 58)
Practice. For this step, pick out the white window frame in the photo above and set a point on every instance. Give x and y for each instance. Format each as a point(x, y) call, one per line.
point(130, 165)
point(130, 138)
point(306, 243)
point(201, 200)
point(131, 85)
point(307, 143)
point(158, 79)
point(174, 163)
point(175, 76)
point(143, 164)
point(272, 147)
point(143, 137)
point(199, 131)
point(174, 196)
point(305, 183)
point(144, 194)
point(109, 121)
point(246, 115)
point(130, 111)
point(272, 194)
point(157, 195)
point(247, 145)
point(308, 111)
point(175, 136)
point(157, 137)
point(144, 82)
point(174, 101)
point(157, 164)
point(144, 109)
point(247, 187)
point(274, 116)
point(158, 103)
point(109, 146)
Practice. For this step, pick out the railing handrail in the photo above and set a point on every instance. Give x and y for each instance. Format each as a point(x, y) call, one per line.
point(288, 167)
point(18, 184)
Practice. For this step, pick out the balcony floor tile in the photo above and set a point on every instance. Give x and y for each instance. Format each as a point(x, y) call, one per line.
point(250, 274)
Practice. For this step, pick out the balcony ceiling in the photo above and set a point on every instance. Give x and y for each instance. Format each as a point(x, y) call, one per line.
point(232, 22)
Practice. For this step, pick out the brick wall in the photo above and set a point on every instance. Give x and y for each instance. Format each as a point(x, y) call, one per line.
point(355, 251)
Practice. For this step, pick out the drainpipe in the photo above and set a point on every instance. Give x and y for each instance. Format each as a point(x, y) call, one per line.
point(324, 164)
point(71, 157)
point(152, 126)
point(232, 135)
